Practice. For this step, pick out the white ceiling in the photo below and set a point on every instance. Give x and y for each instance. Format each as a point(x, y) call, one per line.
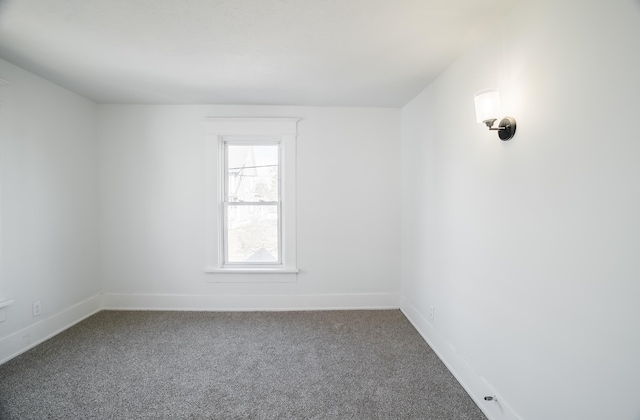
point(275, 52)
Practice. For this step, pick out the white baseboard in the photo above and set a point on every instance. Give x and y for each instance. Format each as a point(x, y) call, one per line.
point(476, 386)
point(26, 338)
point(250, 302)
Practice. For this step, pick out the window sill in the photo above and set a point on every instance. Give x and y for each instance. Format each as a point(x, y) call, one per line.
point(249, 270)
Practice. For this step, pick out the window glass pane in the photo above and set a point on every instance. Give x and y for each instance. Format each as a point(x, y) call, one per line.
point(252, 234)
point(252, 173)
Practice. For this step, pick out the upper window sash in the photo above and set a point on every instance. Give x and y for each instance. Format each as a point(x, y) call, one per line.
point(226, 169)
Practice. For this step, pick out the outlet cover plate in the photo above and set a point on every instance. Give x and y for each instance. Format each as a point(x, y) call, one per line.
point(37, 308)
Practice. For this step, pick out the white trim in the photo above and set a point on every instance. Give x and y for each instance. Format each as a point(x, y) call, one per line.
point(216, 129)
point(476, 386)
point(36, 333)
point(245, 270)
point(239, 303)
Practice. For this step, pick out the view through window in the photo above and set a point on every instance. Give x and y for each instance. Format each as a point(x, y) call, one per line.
point(252, 205)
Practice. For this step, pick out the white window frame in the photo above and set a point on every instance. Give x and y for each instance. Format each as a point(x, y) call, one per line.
point(284, 132)
point(225, 142)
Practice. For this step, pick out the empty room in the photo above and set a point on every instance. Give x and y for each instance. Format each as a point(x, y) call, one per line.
point(305, 209)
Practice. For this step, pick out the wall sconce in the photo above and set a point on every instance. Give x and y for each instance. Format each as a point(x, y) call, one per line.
point(487, 110)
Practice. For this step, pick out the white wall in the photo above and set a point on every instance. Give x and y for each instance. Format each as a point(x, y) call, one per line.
point(49, 208)
point(152, 213)
point(529, 249)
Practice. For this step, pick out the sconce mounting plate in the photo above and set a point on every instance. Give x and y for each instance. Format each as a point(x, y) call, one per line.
point(507, 128)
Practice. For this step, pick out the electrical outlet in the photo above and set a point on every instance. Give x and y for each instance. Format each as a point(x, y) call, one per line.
point(432, 313)
point(37, 309)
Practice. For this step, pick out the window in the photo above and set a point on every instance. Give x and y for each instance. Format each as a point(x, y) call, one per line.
point(251, 202)
point(251, 217)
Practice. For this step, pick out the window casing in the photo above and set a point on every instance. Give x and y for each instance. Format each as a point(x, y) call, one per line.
point(251, 220)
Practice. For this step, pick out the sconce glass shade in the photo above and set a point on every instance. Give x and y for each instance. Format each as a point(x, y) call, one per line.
point(487, 103)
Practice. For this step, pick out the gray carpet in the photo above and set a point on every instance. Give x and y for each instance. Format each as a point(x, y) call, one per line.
point(258, 365)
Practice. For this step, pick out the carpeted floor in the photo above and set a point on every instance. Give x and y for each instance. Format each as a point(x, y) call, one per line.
point(247, 365)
